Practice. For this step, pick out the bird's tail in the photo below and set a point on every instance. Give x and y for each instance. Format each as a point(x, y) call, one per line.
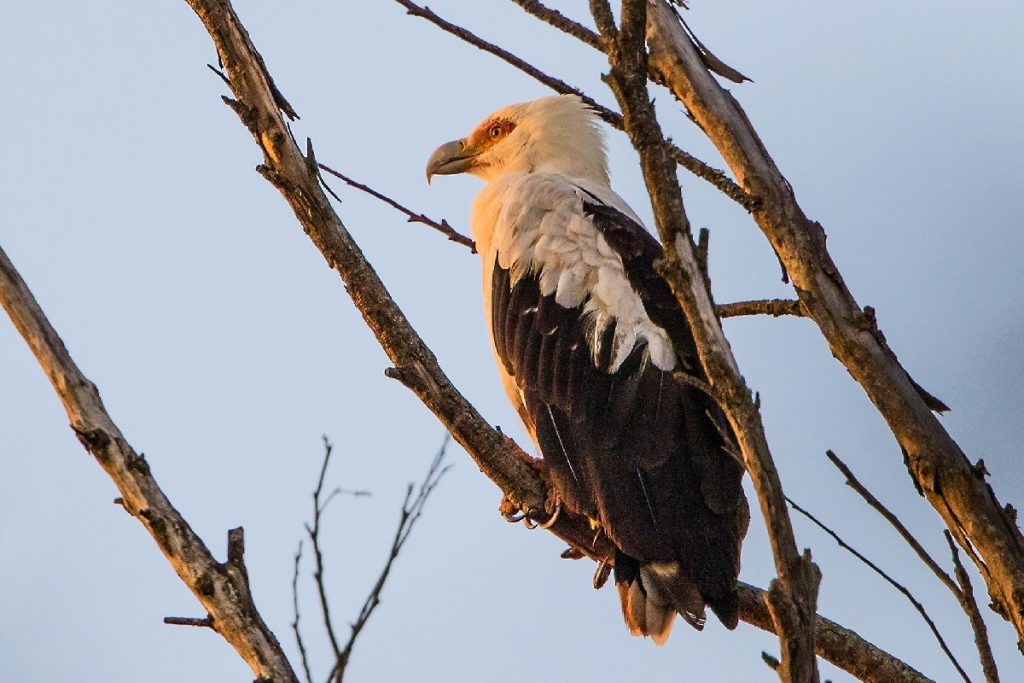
point(652, 594)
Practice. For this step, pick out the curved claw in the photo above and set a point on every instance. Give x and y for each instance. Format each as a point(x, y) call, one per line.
point(529, 523)
point(571, 553)
point(601, 575)
point(553, 518)
point(514, 517)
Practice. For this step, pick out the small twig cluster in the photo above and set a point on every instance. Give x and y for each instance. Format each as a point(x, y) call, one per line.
point(412, 508)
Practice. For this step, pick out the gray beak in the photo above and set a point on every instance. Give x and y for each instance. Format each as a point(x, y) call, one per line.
point(449, 159)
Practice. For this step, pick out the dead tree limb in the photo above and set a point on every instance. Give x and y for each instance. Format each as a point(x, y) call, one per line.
point(961, 589)
point(835, 644)
point(903, 590)
point(970, 607)
point(221, 587)
point(941, 471)
point(699, 168)
point(793, 595)
point(441, 226)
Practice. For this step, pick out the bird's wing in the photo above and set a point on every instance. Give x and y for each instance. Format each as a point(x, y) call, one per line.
point(591, 335)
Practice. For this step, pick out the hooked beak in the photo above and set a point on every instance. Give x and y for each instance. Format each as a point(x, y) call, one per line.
point(450, 158)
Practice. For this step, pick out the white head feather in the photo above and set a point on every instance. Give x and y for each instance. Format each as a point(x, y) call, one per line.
point(558, 134)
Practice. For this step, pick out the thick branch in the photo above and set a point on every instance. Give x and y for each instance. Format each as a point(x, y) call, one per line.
point(835, 644)
point(793, 595)
point(963, 499)
point(222, 588)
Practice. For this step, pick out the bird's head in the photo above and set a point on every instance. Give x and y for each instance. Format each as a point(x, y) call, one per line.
point(558, 134)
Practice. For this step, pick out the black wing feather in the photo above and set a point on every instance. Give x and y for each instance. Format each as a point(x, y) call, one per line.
point(633, 449)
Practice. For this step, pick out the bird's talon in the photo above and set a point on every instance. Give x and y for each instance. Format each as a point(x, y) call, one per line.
point(604, 569)
point(529, 523)
point(571, 553)
point(553, 518)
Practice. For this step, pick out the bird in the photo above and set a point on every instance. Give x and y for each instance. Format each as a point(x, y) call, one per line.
point(588, 341)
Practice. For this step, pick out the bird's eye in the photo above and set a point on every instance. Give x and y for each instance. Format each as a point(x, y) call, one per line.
point(496, 131)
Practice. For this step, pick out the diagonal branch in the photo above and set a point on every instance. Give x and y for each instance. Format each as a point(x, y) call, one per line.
point(222, 588)
point(970, 606)
point(296, 628)
point(442, 227)
point(834, 643)
point(961, 589)
point(892, 582)
point(893, 520)
point(793, 594)
point(691, 163)
point(966, 503)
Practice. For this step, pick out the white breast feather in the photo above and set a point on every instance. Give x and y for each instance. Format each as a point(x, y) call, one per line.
point(535, 224)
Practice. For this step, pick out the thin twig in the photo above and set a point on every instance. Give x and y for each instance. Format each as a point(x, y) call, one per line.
point(412, 509)
point(970, 606)
point(701, 169)
point(879, 507)
point(773, 307)
point(893, 582)
point(442, 227)
point(561, 22)
point(295, 610)
point(318, 557)
point(201, 622)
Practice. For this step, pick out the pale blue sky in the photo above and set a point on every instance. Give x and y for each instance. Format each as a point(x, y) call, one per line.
point(224, 347)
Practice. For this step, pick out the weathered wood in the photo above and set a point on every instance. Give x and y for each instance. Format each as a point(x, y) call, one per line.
point(940, 470)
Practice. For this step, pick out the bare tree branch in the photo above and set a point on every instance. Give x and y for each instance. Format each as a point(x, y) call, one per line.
point(296, 629)
point(412, 509)
point(443, 227)
point(318, 557)
point(691, 163)
point(792, 596)
point(201, 622)
point(562, 22)
point(772, 307)
point(961, 589)
point(835, 644)
point(891, 581)
point(970, 606)
point(890, 517)
point(222, 588)
point(964, 500)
